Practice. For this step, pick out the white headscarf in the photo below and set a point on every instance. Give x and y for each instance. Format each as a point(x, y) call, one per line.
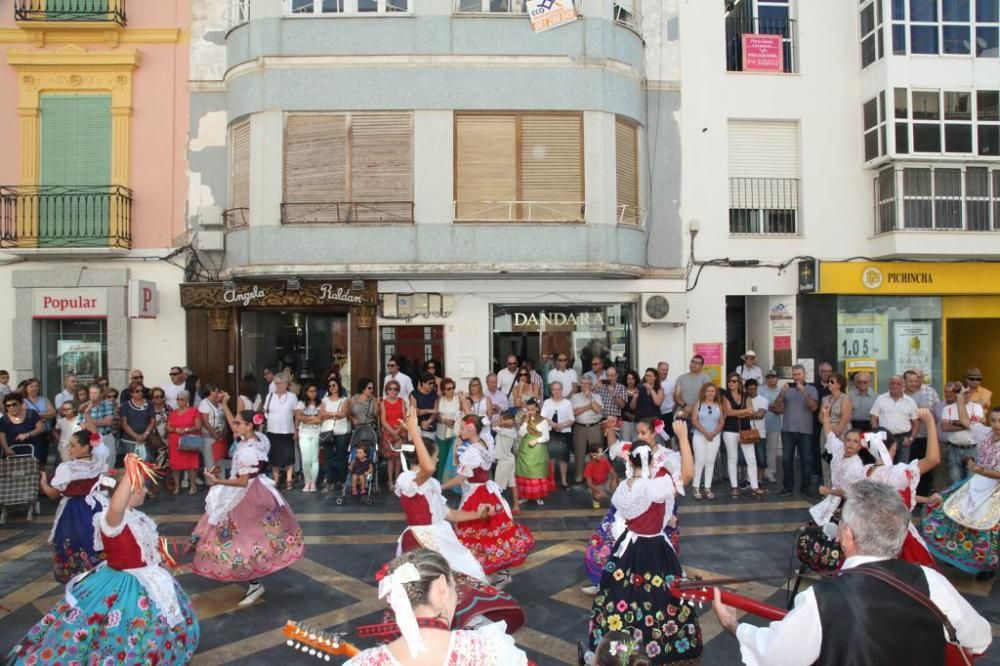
point(876, 444)
point(392, 586)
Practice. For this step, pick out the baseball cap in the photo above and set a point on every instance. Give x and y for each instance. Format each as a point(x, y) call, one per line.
point(770, 373)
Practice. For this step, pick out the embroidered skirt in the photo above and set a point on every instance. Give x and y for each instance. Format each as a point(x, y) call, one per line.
point(113, 622)
point(965, 548)
point(598, 550)
point(73, 540)
point(258, 537)
point(634, 597)
point(497, 542)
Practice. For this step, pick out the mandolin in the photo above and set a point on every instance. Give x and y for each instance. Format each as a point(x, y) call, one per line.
point(317, 643)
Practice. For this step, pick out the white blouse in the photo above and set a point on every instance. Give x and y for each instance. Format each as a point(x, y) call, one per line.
point(280, 413)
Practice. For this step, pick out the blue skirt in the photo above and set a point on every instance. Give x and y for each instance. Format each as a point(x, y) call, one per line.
point(114, 622)
point(73, 540)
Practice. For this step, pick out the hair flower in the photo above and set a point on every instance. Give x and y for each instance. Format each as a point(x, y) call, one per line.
point(258, 418)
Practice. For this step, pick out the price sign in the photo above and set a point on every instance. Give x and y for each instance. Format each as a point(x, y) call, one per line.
point(854, 340)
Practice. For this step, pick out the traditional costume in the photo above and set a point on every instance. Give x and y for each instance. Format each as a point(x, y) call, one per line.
point(246, 532)
point(817, 544)
point(72, 535)
point(964, 530)
point(496, 541)
point(533, 471)
point(634, 594)
point(129, 610)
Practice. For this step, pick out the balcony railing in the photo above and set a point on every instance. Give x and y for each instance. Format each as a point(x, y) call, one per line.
point(763, 206)
point(738, 26)
point(235, 218)
point(937, 199)
point(112, 11)
point(238, 13)
point(336, 212)
point(520, 211)
point(67, 217)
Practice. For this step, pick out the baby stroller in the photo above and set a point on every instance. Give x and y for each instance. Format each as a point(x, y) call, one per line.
point(366, 436)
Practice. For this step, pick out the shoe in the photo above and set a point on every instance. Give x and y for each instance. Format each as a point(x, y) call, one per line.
point(354, 491)
point(522, 501)
point(199, 482)
point(709, 495)
point(501, 579)
point(184, 483)
point(785, 493)
point(252, 595)
point(590, 590)
point(771, 478)
point(734, 493)
point(193, 490)
point(516, 511)
point(697, 493)
point(540, 502)
point(595, 504)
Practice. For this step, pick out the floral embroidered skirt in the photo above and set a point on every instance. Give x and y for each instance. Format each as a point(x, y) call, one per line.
point(73, 540)
point(598, 550)
point(258, 537)
point(497, 542)
point(114, 622)
point(817, 550)
point(634, 597)
point(972, 551)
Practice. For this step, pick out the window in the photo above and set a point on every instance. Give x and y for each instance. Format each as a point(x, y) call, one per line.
point(348, 167)
point(948, 122)
point(874, 120)
point(760, 17)
point(938, 198)
point(763, 177)
point(946, 27)
point(491, 6)
point(299, 7)
point(525, 167)
point(627, 171)
point(239, 194)
point(872, 42)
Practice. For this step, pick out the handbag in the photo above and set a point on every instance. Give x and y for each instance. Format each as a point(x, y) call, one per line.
point(190, 443)
point(750, 436)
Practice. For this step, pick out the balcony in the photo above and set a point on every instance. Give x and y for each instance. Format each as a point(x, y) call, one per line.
point(339, 212)
point(77, 11)
point(763, 206)
point(54, 216)
point(935, 199)
point(748, 56)
point(520, 211)
point(236, 218)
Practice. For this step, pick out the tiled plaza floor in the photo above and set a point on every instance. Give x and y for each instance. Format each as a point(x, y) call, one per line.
point(334, 586)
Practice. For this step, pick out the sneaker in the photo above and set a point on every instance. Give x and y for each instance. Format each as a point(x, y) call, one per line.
point(590, 590)
point(253, 594)
point(540, 502)
point(785, 493)
point(184, 483)
point(501, 579)
point(199, 481)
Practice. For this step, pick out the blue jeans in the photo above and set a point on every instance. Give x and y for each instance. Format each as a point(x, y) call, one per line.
point(790, 441)
point(956, 461)
point(335, 452)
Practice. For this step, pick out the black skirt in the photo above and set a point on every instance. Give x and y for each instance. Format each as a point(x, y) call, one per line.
point(282, 450)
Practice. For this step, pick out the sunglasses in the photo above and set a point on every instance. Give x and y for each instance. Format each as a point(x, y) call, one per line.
point(137, 391)
point(8, 405)
point(174, 374)
point(523, 374)
point(734, 381)
point(562, 359)
point(449, 388)
point(332, 385)
point(393, 365)
point(512, 363)
point(975, 379)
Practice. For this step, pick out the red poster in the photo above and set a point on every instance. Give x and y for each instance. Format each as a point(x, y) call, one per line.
point(763, 53)
point(782, 342)
point(710, 351)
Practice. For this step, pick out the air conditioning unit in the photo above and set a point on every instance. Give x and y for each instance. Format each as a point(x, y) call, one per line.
point(663, 309)
point(210, 217)
point(210, 241)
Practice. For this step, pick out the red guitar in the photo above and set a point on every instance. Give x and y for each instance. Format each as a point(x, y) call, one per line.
point(703, 591)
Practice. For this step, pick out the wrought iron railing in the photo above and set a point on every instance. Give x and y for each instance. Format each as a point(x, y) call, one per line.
point(112, 11)
point(235, 218)
point(66, 216)
point(334, 212)
point(763, 205)
point(520, 211)
point(738, 25)
point(938, 199)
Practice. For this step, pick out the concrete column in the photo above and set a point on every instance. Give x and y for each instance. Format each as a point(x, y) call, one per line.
point(433, 167)
point(599, 166)
point(266, 167)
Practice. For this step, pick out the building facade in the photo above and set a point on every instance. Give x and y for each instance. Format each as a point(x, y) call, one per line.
point(432, 180)
point(860, 144)
point(92, 187)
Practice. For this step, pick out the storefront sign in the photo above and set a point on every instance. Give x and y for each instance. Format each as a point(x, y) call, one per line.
point(860, 340)
point(543, 319)
point(548, 14)
point(258, 294)
point(143, 301)
point(913, 346)
point(243, 297)
point(763, 53)
point(782, 322)
point(70, 303)
point(909, 278)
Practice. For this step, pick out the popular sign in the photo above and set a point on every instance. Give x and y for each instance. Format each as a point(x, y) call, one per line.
point(70, 304)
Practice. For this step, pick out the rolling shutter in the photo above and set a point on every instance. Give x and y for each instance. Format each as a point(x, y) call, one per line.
point(316, 158)
point(627, 171)
point(763, 164)
point(240, 137)
point(552, 166)
point(382, 157)
point(485, 166)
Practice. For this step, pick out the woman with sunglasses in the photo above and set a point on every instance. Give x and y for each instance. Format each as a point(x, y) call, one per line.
point(524, 390)
point(185, 420)
point(138, 421)
point(334, 433)
point(448, 407)
point(432, 367)
point(392, 409)
point(737, 412)
point(20, 426)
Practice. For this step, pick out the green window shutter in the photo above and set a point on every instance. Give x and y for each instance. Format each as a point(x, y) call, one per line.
point(76, 159)
point(75, 10)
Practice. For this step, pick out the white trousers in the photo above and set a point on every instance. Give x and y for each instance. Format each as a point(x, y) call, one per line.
point(732, 440)
point(705, 453)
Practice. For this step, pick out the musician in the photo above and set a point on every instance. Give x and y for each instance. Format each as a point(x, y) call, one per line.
point(856, 619)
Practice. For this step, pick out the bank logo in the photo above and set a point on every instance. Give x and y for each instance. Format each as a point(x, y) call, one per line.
point(872, 278)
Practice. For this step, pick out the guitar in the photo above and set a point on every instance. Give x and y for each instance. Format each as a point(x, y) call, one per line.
point(317, 643)
point(703, 591)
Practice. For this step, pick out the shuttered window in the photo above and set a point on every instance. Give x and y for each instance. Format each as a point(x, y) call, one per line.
point(627, 171)
point(519, 167)
point(240, 187)
point(343, 167)
point(763, 176)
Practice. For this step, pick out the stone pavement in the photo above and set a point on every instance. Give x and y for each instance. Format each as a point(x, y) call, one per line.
point(334, 585)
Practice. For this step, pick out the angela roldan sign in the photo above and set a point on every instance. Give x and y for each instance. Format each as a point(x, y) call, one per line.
point(324, 292)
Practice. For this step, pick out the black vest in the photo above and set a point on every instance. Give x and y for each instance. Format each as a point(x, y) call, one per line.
point(867, 622)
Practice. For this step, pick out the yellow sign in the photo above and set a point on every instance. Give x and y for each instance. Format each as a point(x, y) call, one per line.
point(908, 277)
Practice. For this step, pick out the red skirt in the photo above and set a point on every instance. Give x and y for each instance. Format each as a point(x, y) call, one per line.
point(915, 552)
point(497, 542)
point(536, 488)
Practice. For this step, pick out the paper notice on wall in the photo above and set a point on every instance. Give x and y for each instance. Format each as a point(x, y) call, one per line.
point(712, 353)
point(913, 347)
point(548, 14)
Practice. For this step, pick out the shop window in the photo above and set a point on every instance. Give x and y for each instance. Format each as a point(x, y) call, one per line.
point(413, 346)
point(79, 346)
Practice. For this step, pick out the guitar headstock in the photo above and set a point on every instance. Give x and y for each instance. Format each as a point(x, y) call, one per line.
point(692, 589)
point(317, 643)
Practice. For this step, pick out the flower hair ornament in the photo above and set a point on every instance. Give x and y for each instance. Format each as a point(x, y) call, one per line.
point(95, 438)
point(391, 586)
point(258, 419)
point(622, 651)
point(659, 427)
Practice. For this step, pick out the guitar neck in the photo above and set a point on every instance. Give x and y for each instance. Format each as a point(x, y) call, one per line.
point(752, 606)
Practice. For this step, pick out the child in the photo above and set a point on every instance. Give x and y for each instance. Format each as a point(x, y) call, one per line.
point(360, 468)
point(617, 649)
point(600, 475)
point(506, 448)
point(4, 383)
point(66, 425)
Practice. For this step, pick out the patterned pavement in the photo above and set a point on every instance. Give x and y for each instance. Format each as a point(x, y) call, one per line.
point(334, 586)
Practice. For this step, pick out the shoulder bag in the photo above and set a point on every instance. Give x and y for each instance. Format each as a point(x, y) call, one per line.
point(748, 435)
point(190, 443)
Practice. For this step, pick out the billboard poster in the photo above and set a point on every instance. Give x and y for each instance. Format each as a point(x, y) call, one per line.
point(548, 14)
point(764, 53)
point(913, 347)
point(84, 359)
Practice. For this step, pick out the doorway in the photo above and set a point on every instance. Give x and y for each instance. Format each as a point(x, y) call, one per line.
point(970, 346)
point(413, 346)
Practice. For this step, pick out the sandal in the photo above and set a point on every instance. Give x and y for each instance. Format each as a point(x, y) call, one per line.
point(289, 486)
point(697, 494)
point(760, 493)
point(709, 495)
point(193, 490)
point(734, 493)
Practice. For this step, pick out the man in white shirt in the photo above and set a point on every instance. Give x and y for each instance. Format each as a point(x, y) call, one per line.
point(498, 401)
point(68, 394)
point(668, 384)
point(749, 368)
point(896, 412)
point(835, 621)
point(961, 444)
point(507, 377)
point(175, 386)
point(588, 408)
point(394, 373)
point(565, 375)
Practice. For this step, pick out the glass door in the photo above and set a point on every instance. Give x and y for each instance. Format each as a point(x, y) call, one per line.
point(79, 346)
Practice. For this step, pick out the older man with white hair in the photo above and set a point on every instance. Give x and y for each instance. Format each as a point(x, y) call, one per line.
point(877, 610)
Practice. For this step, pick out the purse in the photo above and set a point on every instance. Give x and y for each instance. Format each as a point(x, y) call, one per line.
point(190, 443)
point(750, 436)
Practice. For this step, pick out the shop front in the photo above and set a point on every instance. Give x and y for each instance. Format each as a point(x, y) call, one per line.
point(896, 316)
point(307, 327)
